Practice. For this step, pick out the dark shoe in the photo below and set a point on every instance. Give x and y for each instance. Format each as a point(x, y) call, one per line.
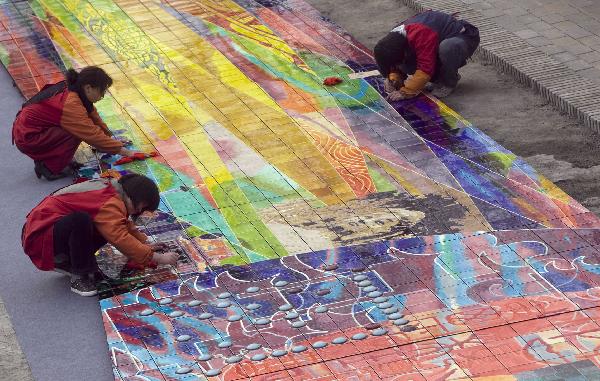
point(75, 166)
point(442, 91)
point(62, 268)
point(84, 286)
point(97, 276)
point(41, 170)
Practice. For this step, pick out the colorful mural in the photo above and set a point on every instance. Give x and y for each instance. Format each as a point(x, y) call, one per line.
point(324, 232)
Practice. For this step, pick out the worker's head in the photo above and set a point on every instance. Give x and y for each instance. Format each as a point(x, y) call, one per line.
point(141, 194)
point(390, 52)
point(91, 82)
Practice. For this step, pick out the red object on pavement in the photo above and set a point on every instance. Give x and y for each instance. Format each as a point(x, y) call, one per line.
point(139, 156)
point(124, 160)
point(135, 156)
point(331, 81)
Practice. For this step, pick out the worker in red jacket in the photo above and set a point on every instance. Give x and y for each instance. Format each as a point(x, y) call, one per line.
point(66, 229)
point(52, 124)
point(430, 47)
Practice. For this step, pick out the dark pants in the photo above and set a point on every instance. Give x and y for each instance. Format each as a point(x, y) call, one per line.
point(452, 54)
point(76, 241)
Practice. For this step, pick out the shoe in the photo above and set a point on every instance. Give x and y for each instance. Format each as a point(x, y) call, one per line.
point(430, 86)
point(84, 286)
point(41, 170)
point(62, 268)
point(97, 276)
point(442, 91)
point(75, 166)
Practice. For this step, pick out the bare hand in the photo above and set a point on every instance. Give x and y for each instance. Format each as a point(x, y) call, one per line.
point(397, 96)
point(158, 246)
point(128, 153)
point(168, 258)
point(390, 86)
point(125, 152)
point(123, 140)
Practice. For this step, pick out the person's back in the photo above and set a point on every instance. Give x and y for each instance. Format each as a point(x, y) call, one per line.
point(85, 197)
point(65, 229)
point(52, 124)
point(444, 25)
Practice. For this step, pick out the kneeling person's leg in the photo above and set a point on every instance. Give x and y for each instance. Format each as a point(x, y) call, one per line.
point(76, 240)
point(452, 54)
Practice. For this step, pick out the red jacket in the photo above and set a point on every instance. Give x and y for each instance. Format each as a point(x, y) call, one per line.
point(424, 32)
point(52, 124)
point(103, 202)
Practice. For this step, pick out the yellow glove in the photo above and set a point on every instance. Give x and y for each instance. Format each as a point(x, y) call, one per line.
point(415, 84)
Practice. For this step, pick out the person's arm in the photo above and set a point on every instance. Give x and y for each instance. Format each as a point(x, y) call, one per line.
point(424, 41)
point(76, 121)
point(112, 223)
point(394, 81)
point(97, 120)
point(133, 230)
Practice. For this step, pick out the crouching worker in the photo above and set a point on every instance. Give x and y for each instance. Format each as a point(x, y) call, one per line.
point(52, 124)
point(67, 228)
point(431, 47)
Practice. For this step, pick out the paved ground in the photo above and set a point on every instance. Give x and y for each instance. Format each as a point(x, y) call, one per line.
point(13, 365)
point(55, 327)
point(568, 30)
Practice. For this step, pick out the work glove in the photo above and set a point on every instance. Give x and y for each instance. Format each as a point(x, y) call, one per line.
point(416, 83)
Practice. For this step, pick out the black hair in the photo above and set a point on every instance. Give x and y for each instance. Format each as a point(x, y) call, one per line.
point(390, 52)
point(90, 75)
point(141, 190)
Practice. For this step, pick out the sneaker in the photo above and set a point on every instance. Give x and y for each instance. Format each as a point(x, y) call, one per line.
point(41, 170)
point(62, 268)
point(84, 287)
point(442, 91)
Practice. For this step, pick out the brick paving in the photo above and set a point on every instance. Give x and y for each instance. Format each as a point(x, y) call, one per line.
point(567, 30)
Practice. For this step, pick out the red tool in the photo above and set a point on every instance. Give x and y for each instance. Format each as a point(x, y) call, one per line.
point(332, 81)
point(134, 157)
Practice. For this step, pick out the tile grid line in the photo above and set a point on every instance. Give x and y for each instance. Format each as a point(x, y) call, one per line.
point(554, 81)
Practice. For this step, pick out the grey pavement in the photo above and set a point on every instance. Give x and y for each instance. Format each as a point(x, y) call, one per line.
point(60, 333)
point(567, 30)
point(13, 365)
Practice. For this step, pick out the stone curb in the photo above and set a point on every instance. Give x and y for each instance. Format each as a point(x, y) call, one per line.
point(554, 81)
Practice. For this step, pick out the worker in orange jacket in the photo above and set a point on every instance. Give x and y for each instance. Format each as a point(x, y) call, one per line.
point(65, 230)
point(51, 125)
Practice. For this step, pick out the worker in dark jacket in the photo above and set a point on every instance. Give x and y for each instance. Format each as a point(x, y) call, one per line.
point(430, 47)
point(65, 230)
point(52, 124)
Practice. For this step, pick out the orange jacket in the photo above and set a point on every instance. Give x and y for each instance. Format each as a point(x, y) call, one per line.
point(53, 123)
point(103, 201)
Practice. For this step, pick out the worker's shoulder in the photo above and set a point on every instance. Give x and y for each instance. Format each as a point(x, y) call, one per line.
point(74, 106)
point(429, 17)
point(116, 201)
